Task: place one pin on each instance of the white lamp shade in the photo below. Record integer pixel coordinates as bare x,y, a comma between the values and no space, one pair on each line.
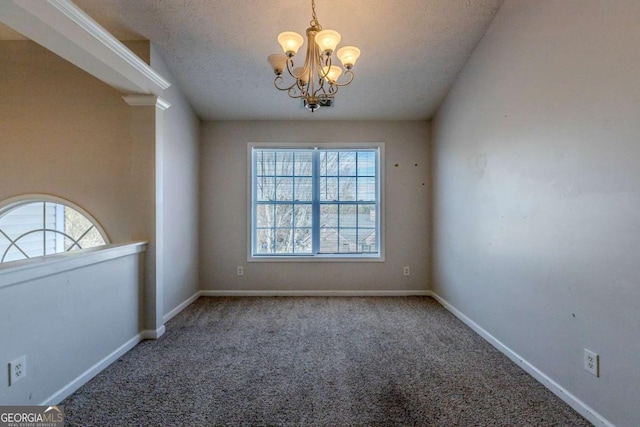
348,55
332,74
327,40
299,74
290,42
278,62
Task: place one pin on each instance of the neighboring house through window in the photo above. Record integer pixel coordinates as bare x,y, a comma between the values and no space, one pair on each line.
319,201
38,225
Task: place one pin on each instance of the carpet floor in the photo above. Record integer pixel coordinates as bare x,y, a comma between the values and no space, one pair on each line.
316,361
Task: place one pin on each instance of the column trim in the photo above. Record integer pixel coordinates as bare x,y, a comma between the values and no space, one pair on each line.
147,101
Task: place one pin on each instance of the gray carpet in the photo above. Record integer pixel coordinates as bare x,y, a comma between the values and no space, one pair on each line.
316,361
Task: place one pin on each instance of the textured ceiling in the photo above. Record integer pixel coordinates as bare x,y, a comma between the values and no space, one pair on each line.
412,51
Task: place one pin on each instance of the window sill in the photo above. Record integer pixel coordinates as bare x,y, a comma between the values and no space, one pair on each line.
317,258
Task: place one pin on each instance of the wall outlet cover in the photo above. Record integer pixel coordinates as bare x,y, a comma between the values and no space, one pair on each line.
592,362
17,370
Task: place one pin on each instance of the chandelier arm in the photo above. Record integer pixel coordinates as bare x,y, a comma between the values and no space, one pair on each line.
293,94
303,88
321,90
330,91
289,70
328,95
311,60
280,79
322,65
348,73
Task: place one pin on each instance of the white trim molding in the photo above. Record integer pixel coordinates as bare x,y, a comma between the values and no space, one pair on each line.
324,293
184,304
16,272
577,404
84,21
63,28
153,334
147,101
87,375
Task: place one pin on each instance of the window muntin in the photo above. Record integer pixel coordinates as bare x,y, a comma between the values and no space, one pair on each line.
315,202
32,228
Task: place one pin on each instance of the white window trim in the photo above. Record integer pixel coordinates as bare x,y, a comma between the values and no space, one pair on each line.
13,202
318,258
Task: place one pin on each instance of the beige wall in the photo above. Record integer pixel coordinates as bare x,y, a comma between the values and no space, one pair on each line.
224,208
65,133
537,154
68,134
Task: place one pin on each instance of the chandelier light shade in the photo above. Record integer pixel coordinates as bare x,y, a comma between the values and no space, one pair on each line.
290,42
332,73
317,81
278,62
348,55
328,40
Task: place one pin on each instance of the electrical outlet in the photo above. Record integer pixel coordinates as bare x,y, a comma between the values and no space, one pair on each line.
240,271
406,270
17,370
591,362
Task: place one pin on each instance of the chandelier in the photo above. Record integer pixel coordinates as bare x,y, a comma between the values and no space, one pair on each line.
318,80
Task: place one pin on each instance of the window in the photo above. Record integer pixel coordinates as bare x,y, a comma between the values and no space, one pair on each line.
32,226
316,202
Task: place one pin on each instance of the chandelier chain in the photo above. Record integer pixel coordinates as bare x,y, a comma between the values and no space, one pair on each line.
314,21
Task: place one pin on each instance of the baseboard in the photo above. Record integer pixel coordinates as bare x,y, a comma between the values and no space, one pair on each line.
151,334
256,293
577,404
74,385
170,315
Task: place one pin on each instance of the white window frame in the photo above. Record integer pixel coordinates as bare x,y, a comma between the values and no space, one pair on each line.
346,257
8,205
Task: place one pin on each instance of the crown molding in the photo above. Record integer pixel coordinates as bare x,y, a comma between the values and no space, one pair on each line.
147,101
74,13
63,28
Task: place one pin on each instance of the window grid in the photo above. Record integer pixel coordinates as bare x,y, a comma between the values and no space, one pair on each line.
356,203
34,228
277,228
351,167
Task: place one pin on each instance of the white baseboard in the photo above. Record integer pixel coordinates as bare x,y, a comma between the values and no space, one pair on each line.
74,385
151,334
170,315
256,293
577,404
